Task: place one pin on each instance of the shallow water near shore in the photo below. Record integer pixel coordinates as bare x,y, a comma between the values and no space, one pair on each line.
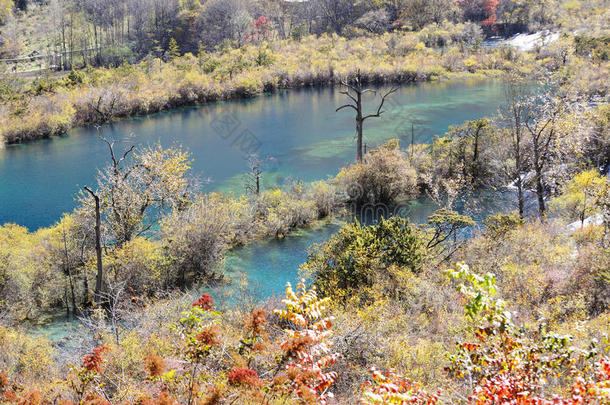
260,270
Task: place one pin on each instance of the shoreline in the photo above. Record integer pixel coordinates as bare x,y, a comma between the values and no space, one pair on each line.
238,95
95,96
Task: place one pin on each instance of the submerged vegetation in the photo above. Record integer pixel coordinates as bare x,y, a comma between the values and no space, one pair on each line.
509,307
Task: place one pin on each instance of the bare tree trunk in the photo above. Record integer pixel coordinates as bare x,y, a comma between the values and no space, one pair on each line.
540,192
356,104
64,60
540,126
70,277
514,92
86,301
518,167
67,304
71,43
98,247
359,130
475,153
98,57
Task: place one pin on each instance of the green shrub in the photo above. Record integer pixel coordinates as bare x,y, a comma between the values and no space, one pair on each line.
499,224
359,256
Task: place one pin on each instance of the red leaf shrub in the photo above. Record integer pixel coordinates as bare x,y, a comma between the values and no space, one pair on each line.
205,302
94,361
244,377
393,388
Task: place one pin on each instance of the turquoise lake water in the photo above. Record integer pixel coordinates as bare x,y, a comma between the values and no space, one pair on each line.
298,129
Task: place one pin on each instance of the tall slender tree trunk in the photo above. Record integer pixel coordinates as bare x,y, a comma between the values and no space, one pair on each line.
86,301
518,167
540,193
67,304
98,247
359,124
360,154
70,277
475,153
97,52
63,47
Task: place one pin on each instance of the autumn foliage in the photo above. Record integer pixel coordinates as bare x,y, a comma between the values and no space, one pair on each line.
205,302
93,361
392,388
513,365
243,376
306,344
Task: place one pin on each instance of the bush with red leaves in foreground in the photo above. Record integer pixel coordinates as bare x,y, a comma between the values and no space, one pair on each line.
210,363
507,364
93,362
244,377
205,302
392,388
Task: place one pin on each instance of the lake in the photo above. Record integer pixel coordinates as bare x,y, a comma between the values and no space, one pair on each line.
298,129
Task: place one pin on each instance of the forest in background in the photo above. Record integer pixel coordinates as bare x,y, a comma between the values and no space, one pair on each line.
117,30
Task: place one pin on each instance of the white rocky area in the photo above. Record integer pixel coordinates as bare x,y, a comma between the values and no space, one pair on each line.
527,42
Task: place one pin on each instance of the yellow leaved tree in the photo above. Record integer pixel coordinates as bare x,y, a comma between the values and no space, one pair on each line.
306,344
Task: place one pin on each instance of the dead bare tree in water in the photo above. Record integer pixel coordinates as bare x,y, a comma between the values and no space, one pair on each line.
354,92
254,176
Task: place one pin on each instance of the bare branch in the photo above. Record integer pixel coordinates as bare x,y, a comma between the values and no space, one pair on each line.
90,191
127,152
349,95
111,147
379,109
346,106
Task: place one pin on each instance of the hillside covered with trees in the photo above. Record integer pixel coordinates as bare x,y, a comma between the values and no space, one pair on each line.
473,305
